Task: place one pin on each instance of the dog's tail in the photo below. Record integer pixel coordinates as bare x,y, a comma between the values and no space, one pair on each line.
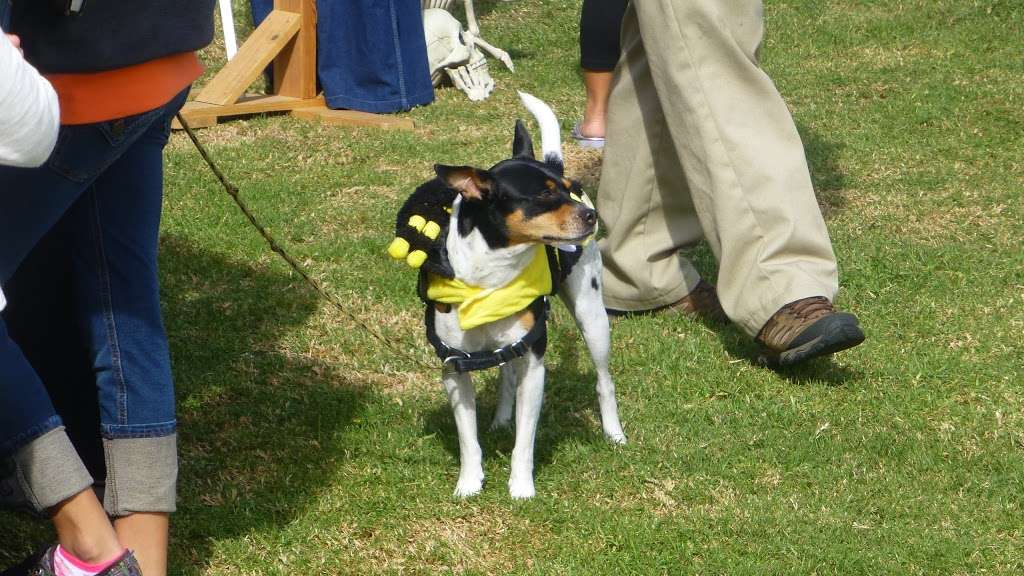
550,135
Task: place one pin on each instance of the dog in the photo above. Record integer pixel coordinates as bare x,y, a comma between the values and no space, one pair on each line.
501,220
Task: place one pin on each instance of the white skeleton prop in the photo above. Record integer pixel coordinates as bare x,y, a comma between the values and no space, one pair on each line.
456,50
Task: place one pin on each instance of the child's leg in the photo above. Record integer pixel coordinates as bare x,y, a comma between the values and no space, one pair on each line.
116,231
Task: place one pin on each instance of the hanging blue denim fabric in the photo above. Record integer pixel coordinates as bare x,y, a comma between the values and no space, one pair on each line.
260,9
5,14
371,54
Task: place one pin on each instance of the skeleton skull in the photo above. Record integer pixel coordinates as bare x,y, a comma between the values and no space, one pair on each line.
459,52
445,48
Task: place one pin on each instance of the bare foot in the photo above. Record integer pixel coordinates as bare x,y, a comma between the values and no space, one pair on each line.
592,126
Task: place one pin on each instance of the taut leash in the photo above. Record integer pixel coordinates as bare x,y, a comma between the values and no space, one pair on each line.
232,191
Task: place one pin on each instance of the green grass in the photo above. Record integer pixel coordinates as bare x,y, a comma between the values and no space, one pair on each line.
307,448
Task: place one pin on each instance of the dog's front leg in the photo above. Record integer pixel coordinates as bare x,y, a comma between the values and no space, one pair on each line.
582,293
462,397
593,323
529,398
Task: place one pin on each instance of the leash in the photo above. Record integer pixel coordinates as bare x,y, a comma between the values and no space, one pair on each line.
232,191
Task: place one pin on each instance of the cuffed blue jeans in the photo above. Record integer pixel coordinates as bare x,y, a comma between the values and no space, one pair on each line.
108,180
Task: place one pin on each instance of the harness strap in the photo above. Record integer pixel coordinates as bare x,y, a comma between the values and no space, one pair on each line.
461,361
560,263
555,267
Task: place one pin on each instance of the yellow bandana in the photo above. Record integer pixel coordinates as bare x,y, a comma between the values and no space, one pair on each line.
478,306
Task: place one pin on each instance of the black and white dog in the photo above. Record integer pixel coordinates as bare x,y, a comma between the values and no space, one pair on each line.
499,218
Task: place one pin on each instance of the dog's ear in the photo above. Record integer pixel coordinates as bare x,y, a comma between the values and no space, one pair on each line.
522,145
473,184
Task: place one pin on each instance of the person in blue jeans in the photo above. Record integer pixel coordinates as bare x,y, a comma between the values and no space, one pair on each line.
120,80
107,179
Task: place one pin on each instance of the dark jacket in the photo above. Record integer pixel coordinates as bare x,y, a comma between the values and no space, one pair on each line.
109,34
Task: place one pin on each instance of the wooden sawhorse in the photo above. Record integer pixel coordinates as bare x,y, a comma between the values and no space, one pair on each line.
287,37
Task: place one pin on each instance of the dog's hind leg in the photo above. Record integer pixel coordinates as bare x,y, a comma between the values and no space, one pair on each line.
462,397
529,398
506,397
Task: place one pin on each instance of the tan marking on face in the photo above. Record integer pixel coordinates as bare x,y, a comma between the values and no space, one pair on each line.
527,320
558,223
567,183
551,185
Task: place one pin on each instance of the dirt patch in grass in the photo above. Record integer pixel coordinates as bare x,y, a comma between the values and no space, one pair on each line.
583,165
233,132
941,221
402,368
475,543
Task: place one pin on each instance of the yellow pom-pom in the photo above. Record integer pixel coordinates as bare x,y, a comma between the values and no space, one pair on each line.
417,222
431,230
416,258
399,248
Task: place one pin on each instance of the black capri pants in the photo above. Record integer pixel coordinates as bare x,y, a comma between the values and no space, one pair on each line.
600,24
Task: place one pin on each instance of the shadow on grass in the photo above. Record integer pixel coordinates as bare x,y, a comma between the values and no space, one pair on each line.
256,422
569,413
820,371
826,175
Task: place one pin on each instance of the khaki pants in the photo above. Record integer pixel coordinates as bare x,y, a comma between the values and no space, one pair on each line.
700,144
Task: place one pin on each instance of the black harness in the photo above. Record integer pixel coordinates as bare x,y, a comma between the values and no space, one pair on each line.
560,263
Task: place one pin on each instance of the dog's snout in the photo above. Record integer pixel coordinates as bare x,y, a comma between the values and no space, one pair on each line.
589,216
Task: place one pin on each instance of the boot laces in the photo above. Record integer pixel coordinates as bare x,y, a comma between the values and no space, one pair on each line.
809,308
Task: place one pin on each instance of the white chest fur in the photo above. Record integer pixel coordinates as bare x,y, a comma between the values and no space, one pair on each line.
476,263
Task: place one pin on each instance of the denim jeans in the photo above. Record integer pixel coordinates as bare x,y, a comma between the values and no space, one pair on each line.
107,178
371,54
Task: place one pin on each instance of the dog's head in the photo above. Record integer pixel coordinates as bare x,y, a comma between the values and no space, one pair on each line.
521,200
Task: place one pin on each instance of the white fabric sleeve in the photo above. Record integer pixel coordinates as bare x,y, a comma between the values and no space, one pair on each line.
29,115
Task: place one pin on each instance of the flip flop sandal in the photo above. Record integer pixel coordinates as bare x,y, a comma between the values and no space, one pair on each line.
586,141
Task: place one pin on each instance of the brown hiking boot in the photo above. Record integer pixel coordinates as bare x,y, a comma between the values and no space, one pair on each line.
806,329
701,302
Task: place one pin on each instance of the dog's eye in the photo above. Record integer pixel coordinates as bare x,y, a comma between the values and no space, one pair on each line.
548,194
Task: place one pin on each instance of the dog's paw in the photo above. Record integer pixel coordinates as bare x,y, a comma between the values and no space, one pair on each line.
616,438
468,486
613,432
521,489
501,423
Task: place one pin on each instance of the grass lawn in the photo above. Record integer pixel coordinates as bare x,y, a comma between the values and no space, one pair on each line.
307,448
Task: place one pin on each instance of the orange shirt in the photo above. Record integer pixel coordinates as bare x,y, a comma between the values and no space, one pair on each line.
101,96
